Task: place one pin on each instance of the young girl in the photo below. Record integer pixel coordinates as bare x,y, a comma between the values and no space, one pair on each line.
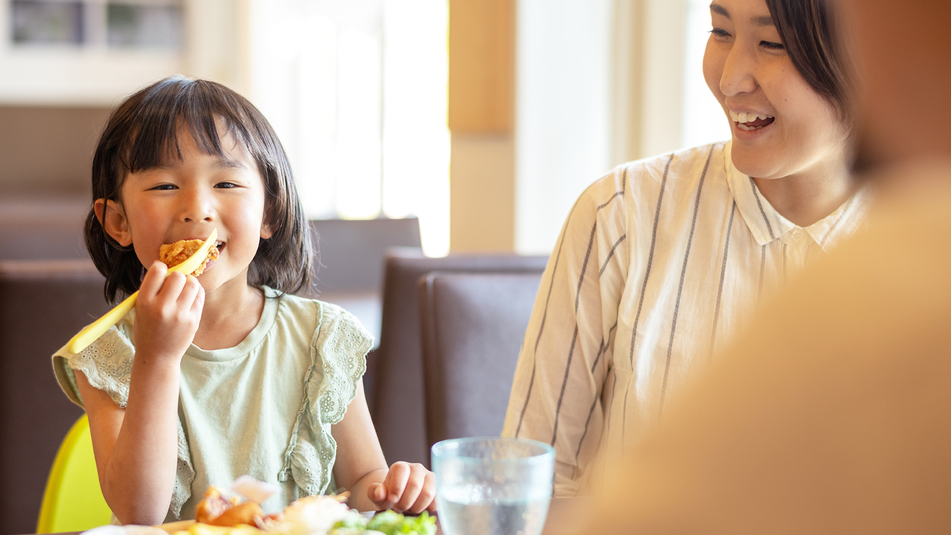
227,374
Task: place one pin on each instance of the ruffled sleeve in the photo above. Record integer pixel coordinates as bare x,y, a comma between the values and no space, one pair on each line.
106,363
338,351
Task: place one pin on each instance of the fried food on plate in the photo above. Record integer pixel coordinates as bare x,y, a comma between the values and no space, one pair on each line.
219,513
173,254
216,509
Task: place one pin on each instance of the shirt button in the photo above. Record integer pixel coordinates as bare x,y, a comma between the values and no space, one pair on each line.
797,235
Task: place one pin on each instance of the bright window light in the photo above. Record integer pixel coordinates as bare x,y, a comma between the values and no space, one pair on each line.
357,91
703,119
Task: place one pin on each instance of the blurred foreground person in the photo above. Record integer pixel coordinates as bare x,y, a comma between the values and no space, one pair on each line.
833,413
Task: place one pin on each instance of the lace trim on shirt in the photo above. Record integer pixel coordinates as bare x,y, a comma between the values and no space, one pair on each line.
184,475
338,350
107,365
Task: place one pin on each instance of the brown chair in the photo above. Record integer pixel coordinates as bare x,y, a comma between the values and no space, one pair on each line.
351,252
472,325
398,406
348,270
42,304
42,228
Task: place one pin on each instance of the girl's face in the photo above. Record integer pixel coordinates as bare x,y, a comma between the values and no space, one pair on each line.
781,127
186,199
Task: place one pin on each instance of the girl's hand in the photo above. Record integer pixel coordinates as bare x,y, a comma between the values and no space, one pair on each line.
168,311
407,488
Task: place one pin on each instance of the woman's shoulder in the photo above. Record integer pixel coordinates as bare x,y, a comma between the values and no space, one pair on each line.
647,177
678,165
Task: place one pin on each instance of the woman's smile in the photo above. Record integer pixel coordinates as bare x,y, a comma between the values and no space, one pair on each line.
751,121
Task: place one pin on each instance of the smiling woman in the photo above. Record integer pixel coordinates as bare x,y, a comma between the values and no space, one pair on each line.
662,260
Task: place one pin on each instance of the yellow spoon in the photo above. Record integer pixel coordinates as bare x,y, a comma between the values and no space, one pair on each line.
95,329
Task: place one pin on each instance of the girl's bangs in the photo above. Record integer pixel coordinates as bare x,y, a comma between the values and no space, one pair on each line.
164,118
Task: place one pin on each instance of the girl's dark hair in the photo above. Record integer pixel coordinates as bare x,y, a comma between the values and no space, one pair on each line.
144,130
808,32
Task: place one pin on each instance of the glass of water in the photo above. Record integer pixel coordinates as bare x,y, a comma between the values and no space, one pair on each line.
493,485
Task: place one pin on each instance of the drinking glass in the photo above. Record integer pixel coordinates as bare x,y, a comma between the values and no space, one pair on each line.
498,486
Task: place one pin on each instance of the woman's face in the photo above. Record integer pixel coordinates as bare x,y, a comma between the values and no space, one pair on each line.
781,127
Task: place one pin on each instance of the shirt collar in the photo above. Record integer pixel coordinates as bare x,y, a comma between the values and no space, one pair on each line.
763,220
843,222
766,224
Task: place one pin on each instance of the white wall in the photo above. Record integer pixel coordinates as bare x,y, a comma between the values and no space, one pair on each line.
703,120
599,83
563,111
662,77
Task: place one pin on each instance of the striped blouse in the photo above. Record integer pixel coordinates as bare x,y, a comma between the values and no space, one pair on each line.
657,264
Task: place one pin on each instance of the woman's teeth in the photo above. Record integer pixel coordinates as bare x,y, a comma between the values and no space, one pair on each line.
750,121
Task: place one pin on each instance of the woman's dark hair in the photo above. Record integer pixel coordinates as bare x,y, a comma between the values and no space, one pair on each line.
808,32
144,130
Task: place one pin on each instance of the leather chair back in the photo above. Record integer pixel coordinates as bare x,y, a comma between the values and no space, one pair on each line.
42,304
398,406
40,228
351,253
473,326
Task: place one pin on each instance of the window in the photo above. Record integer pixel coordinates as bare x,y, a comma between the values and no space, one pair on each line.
96,23
91,52
356,90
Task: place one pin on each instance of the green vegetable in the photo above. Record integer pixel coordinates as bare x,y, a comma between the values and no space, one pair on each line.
392,523
351,523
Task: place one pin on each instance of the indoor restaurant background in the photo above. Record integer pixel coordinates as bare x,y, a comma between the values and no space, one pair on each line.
484,118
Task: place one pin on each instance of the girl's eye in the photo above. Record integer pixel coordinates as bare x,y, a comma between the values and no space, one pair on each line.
768,45
719,33
164,187
226,185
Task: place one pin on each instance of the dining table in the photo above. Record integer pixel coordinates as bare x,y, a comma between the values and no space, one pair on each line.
566,516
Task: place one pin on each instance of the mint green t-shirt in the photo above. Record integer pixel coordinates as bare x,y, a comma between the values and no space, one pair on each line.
262,408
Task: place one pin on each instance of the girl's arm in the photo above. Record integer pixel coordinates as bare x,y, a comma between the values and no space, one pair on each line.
136,448
361,468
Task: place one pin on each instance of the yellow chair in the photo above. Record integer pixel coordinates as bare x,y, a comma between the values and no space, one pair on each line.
73,500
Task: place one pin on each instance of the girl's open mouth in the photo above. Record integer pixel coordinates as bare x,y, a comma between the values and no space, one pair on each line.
219,246
749,121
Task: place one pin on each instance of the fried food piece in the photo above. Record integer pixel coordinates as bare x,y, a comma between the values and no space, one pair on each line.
216,509
212,505
173,254
249,513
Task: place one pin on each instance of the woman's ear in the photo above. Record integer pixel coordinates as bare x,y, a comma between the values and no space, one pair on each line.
113,220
